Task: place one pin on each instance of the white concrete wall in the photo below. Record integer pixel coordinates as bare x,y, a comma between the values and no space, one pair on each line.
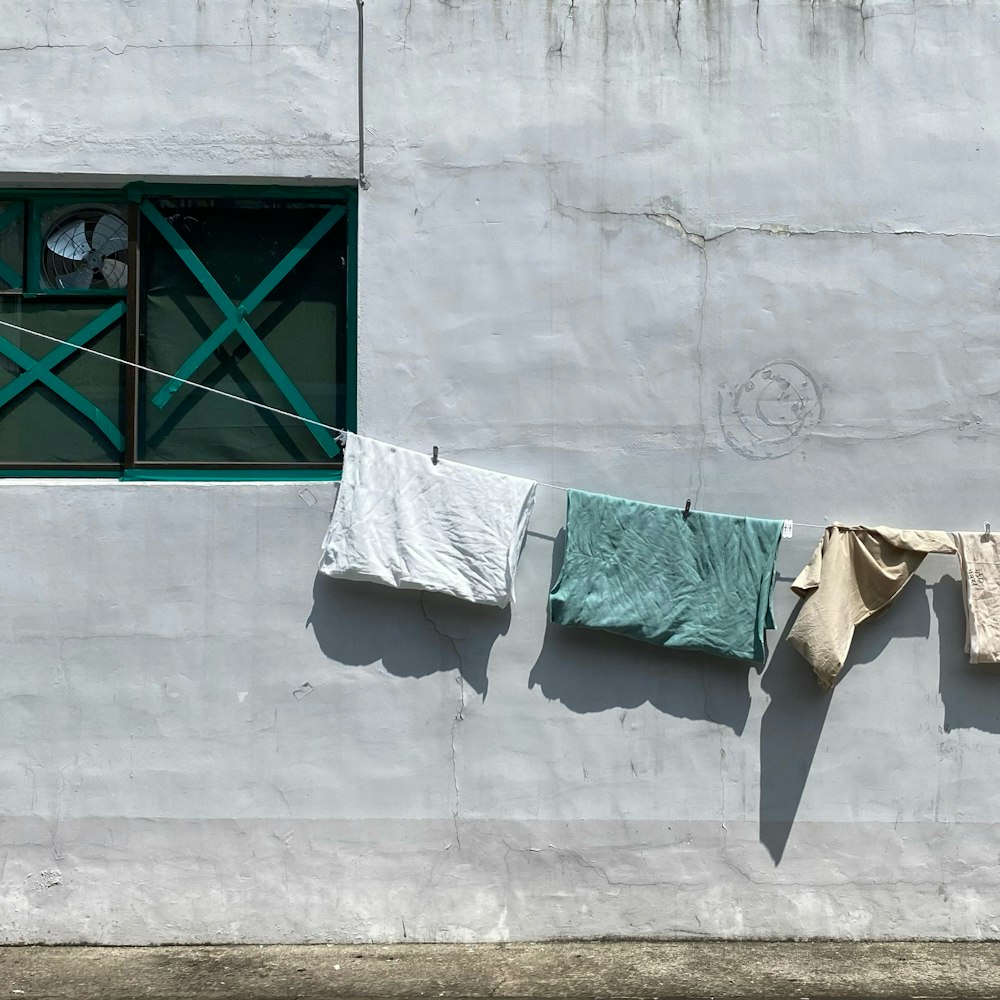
589,223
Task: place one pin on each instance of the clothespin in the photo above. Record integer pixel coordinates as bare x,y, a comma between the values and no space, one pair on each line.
986,531
434,455
687,508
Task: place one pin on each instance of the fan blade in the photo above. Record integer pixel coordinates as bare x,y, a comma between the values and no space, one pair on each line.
70,241
110,234
76,279
115,272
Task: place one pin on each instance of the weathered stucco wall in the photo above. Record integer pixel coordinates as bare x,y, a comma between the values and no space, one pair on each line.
591,225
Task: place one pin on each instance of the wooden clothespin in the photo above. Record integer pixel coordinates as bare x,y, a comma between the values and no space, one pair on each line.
986,531
687,508
434,455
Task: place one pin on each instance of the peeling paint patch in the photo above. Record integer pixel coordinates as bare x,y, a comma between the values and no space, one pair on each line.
40,881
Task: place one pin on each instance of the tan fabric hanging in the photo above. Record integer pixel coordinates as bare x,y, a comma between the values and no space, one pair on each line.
854,574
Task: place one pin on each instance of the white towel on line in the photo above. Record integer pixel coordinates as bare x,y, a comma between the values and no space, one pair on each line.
401,520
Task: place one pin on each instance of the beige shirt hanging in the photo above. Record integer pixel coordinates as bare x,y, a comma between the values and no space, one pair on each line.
854,574
979,556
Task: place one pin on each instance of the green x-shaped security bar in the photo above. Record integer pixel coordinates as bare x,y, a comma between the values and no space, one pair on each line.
236,316
40,370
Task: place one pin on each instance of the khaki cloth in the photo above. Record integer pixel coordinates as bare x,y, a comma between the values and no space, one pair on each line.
979,556
855,573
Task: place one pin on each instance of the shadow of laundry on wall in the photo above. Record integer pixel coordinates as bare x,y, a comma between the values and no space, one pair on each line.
590,670
413,633
970,691
793,720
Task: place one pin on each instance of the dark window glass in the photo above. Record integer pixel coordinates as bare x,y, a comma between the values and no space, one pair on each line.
75,414
11,245
300,323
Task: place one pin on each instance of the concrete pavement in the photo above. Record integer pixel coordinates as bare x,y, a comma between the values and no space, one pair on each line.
724,970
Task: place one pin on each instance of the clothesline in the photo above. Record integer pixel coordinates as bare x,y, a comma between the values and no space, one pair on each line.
477,563
172,378
632,568
198,385
244,399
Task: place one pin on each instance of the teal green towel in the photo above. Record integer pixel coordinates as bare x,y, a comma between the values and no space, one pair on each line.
648,572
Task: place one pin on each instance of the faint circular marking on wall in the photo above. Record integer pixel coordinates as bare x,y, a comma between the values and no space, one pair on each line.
769,414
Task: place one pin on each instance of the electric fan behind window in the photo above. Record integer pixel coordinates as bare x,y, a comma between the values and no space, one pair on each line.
87,247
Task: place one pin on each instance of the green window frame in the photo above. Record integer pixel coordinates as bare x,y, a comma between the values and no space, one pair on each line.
248,289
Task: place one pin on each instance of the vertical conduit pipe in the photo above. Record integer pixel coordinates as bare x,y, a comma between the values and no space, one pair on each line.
362,178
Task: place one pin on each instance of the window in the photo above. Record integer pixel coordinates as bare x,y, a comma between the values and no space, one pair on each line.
249,291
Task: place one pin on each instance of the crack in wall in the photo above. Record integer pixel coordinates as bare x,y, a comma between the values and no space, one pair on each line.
141,45
664,218
700,363
583,862
841,432
406,23
722,794
722,760
557,50
750,876
672,221
580,861
700,242
458,718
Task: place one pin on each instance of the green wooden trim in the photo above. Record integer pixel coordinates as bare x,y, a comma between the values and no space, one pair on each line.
77,293
60,472
140,190
58,196
204,351
268,362
351,374
133,323
75,399
33,259
139,475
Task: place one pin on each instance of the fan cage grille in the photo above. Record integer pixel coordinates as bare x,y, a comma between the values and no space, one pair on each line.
84,247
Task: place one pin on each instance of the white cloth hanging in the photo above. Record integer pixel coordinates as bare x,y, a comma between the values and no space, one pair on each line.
402,520
979,556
